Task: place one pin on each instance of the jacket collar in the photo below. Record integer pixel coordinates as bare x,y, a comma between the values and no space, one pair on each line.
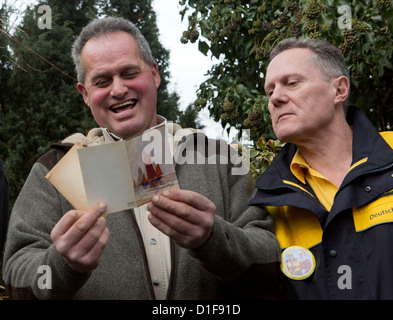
370,150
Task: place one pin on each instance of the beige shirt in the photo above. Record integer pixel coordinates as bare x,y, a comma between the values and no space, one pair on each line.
157,246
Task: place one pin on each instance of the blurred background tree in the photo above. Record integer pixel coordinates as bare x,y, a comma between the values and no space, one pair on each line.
43,105
242,33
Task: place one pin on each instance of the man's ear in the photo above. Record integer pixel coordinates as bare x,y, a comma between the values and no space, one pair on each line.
341,89
156,75
82,90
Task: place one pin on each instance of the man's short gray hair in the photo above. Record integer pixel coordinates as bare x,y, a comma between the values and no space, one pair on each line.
328,58
106,26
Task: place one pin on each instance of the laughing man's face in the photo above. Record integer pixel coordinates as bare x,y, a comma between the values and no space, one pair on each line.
120,88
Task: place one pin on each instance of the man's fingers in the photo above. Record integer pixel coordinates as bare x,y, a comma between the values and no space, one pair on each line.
187,205
192,198
84,258
165,221
65,223
183,239
74,225
161,206
98,248
183,215
89,239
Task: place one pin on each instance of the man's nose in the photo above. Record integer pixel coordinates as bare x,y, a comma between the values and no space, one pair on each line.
119,89
278,96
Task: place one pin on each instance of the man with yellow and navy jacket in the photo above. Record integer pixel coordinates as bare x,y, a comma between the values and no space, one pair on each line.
340,213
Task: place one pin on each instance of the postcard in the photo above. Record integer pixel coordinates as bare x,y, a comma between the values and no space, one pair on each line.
123,174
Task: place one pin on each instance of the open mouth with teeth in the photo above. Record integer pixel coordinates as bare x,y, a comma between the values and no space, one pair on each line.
128,105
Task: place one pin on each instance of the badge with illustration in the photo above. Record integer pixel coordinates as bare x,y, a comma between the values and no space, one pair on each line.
297,263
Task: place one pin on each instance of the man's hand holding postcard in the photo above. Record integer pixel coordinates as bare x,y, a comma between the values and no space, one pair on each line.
124,174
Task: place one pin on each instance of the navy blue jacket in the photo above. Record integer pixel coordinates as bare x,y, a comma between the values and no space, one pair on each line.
3,206
353,243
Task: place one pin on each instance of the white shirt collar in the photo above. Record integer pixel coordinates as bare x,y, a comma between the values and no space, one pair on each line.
112,137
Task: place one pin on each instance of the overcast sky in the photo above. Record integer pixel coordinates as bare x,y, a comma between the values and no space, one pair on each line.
188,65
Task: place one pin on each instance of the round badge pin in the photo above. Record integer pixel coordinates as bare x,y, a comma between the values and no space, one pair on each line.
297,263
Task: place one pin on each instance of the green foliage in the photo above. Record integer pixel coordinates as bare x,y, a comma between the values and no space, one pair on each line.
43,105
5,63
242,33
261,155
189,118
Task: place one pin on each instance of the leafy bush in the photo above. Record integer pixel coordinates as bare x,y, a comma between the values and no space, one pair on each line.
241,35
